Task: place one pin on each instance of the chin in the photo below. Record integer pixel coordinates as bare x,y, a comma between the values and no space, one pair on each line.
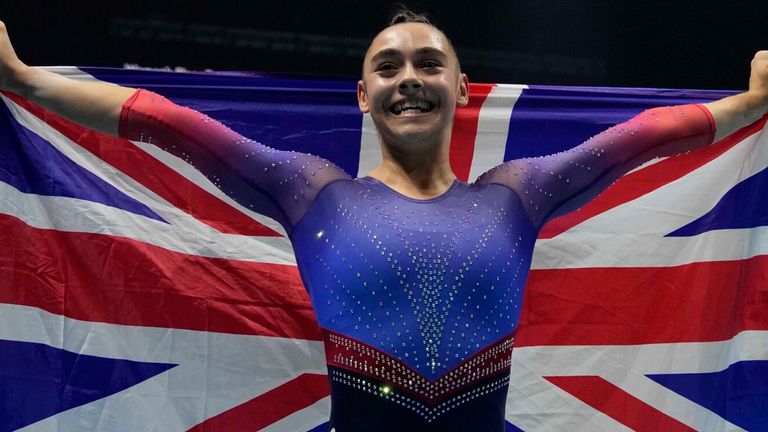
414,140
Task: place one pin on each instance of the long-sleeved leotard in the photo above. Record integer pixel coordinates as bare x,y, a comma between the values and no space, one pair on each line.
418,299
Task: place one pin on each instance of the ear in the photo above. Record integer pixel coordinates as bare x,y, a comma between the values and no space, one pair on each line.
463,93
362,97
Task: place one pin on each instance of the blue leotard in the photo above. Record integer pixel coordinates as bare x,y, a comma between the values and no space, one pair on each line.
418,300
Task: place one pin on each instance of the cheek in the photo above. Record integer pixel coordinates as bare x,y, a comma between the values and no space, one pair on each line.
448,87
377,93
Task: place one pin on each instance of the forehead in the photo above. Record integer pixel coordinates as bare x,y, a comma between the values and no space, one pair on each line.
408,37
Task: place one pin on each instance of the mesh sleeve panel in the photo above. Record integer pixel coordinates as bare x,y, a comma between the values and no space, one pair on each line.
279,184
553,185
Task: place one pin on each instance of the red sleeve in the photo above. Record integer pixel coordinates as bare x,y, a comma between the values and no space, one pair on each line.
553,185
278,184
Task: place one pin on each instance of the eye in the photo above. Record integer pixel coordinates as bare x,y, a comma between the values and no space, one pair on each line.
430,64
386,67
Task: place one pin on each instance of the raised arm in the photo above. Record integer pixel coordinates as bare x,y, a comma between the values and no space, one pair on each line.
553,185
734,112
275,183
93,105
278,184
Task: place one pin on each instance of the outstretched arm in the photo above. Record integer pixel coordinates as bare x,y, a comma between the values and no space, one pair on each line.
278,184
734,112
554,185
93,105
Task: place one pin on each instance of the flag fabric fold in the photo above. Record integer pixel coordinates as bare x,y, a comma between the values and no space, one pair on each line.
134,295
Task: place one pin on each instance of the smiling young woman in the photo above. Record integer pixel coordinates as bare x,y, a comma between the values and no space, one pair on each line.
411,86
416,278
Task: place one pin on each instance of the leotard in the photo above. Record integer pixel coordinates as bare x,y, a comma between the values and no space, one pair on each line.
418,300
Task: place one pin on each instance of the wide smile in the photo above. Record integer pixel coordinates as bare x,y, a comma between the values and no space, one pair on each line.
411,107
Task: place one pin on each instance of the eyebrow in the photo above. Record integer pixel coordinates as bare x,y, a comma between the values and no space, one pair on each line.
392,52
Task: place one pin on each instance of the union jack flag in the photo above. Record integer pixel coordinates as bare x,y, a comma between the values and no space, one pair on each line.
134,295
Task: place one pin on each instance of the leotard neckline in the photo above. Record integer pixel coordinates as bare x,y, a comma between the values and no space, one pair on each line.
436,198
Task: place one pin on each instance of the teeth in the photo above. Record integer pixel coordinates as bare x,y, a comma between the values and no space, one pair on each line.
422,106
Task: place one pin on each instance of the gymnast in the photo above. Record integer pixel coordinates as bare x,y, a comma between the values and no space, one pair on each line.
415,277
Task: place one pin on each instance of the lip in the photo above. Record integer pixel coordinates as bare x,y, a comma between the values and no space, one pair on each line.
412,113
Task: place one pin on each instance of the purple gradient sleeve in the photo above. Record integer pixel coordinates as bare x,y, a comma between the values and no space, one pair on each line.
279,184
553,185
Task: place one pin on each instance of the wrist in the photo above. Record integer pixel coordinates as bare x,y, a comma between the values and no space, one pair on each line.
757,100
19,79
750,105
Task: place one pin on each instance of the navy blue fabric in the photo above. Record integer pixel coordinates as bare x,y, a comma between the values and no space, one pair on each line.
32,165
325,427
317,116
740,207
551,119
429,282
356,409
39,381
738,394
512,428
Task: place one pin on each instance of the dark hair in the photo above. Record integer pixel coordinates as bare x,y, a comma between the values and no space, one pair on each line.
401,14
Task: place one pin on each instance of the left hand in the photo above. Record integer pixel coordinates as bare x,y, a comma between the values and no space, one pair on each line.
734,112
758,78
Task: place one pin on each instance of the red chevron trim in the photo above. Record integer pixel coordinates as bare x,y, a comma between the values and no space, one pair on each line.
355,356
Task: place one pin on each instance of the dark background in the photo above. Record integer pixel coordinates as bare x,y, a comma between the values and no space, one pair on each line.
692,44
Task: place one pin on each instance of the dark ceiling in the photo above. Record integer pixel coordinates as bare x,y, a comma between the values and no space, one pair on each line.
692,44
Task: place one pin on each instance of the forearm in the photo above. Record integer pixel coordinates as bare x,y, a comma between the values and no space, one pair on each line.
553,185
92,104
279,184
734,112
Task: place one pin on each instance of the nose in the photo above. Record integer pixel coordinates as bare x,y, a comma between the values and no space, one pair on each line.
410,80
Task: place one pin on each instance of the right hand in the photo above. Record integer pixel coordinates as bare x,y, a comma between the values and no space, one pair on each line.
758,79
10,65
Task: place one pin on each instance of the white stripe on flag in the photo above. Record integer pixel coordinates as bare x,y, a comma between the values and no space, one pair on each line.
638,228
625,366
71,72
303,419
183,233
176,164
215,371
370,151
493,127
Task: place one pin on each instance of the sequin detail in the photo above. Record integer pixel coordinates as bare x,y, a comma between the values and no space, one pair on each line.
428,412
430,291
346,353
419,298
279,184
558,183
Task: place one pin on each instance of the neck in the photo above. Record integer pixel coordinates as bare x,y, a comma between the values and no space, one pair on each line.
417,175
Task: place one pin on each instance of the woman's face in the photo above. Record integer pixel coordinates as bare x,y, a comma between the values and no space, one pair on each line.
411,86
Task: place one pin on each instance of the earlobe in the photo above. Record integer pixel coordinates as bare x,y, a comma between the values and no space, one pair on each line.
463,93
362,97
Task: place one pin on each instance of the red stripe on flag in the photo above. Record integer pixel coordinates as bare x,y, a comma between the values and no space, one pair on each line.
641,182
269,407
103,278
618,404
154,175
465,130
700,302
